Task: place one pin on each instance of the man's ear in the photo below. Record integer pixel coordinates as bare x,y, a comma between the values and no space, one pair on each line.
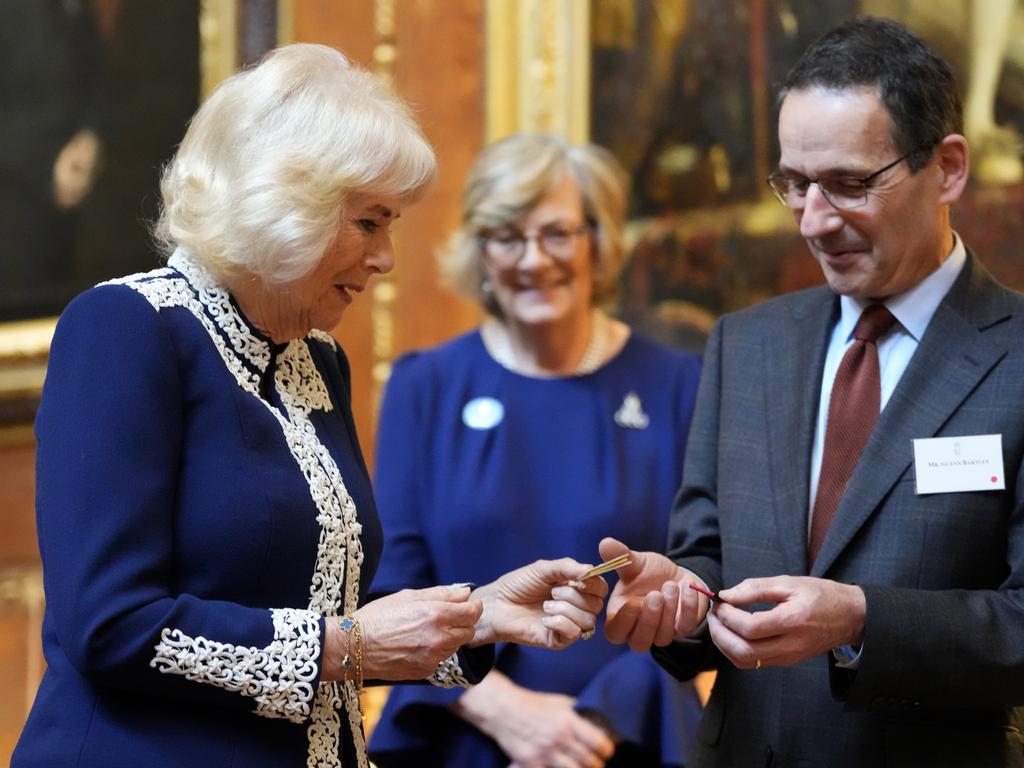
955,167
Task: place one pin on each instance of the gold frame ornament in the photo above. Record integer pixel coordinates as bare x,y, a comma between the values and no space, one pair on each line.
538,67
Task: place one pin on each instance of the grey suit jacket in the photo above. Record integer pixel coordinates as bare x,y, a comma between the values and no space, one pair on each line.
941,676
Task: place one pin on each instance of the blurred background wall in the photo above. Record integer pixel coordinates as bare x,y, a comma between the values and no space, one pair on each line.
681,90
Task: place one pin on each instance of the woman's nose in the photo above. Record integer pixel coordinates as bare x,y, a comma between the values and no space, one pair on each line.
382,256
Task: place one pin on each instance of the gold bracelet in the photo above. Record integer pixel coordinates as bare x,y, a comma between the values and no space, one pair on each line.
357,630
352,660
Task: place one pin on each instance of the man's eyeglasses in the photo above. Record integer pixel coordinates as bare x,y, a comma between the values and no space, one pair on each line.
841,192
506,246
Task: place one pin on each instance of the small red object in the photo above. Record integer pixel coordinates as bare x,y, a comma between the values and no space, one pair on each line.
704,591
995,479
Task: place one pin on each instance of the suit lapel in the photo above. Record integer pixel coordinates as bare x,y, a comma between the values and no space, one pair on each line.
793,363
955,343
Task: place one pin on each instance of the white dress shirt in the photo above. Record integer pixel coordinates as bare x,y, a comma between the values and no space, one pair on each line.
913,311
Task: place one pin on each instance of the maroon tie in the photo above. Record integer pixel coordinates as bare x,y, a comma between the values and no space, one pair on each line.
852,412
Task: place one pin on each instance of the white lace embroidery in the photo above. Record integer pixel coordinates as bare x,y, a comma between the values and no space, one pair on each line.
449,674
279,677
339,550
297,376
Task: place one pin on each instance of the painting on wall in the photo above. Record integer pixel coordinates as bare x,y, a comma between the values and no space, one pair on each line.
94,97
96,94
684,95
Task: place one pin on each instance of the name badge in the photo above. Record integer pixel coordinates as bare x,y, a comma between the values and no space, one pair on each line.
952,464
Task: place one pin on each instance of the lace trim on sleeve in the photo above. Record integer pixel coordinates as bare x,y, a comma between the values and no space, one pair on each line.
449,674
279,677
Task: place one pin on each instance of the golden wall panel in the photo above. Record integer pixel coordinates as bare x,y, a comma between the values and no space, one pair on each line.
433,52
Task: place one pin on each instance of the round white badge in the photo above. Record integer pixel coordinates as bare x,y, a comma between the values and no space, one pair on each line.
483,413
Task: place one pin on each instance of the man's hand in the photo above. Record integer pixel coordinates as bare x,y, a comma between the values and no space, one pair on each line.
652,604
534,729
810,617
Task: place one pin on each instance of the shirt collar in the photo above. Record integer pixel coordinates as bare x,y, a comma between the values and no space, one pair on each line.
912,309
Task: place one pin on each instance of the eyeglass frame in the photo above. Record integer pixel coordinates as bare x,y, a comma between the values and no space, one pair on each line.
863,181
524,239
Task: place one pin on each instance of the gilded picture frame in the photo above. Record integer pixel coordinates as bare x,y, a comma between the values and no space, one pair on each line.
683,94
25,342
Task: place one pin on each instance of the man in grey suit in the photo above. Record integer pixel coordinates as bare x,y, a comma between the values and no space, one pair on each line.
872,615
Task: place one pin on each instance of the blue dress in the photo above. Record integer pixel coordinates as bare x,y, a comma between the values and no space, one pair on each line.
482,470
202,506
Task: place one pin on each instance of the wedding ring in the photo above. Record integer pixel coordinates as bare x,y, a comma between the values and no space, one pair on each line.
757,666
587,634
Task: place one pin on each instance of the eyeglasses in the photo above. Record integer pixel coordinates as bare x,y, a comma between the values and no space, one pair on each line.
841,192
507,246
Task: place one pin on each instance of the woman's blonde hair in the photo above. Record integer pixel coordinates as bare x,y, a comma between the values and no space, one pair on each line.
510,177
260,180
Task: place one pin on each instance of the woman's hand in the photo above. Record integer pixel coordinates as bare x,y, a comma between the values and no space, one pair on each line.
407,634
540,604
534,729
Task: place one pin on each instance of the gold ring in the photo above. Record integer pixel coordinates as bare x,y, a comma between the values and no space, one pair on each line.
757,666
586,634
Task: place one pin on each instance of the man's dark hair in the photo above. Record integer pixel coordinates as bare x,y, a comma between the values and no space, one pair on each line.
916,85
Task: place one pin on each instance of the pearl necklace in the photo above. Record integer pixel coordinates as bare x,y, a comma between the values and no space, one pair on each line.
593,355
500,347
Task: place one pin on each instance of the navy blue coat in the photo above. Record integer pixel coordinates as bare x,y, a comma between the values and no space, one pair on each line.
195,530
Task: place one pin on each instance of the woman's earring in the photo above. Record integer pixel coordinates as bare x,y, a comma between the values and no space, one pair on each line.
485,287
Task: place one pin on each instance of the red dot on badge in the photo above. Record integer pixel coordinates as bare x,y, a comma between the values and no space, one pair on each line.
995,479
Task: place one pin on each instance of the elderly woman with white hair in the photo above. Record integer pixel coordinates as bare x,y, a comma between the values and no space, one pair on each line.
206,521
544,430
